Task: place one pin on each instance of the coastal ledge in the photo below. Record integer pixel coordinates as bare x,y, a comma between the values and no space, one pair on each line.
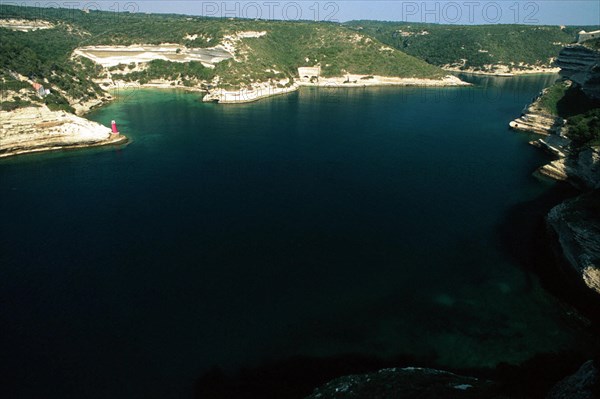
504,70
535,118
252,94
37,129
573,224
263,90
354,80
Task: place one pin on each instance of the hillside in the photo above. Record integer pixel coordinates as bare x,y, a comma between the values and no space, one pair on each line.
475,48
43,56
267,52
286,45
78,55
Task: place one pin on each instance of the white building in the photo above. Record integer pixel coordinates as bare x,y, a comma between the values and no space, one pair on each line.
308,74
584,36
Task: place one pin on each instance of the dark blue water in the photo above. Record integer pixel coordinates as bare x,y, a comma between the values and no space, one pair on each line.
317,223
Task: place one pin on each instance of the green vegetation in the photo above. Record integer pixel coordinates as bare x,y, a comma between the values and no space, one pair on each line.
584,129
593,44
159,69
56,102
511,45
23,94
575,102
12,105
360,47
552,96
9,83
582,114
45,56
124,28
336,48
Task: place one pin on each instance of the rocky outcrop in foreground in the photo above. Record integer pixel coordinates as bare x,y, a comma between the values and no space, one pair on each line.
409,382
584,384
35,129
582,168
423,383
576,223
536,119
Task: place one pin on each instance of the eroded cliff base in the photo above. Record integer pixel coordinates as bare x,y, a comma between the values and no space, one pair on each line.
576,223
36,129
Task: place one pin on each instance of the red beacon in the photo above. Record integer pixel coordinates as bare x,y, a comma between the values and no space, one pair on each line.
114,127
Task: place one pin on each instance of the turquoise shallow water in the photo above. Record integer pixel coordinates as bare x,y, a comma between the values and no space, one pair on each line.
317,223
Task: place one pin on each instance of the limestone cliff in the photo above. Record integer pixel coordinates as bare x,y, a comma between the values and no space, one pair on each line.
576,223
536,119
35,129
581,168
581,64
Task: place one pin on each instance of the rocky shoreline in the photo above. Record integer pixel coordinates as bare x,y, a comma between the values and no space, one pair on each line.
262,90
575,222
504,71
255,93
37,129
535,119
575,226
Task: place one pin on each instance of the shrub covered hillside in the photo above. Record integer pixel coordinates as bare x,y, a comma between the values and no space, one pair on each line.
369,48
575,98
476,47
288,45
582,113
45,56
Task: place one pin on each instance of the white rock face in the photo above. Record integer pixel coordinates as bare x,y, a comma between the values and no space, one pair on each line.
355,80
231,43
582,169
537,120
109,56
260,90
581,65
250,94
25,25
39,129
250,34
577,225
576,222
500,69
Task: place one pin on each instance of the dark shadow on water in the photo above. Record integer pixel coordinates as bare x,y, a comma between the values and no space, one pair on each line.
525,237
